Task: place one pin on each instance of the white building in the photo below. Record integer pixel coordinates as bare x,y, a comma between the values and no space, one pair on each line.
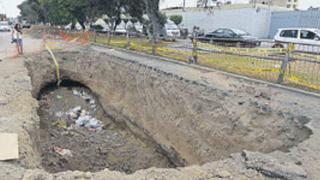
253,19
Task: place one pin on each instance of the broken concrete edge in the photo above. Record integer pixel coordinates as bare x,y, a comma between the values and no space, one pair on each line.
271,167
233,75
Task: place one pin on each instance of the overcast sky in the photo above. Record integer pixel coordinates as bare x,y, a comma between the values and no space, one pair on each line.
10,6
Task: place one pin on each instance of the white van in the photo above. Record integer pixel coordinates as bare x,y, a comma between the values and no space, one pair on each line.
301,36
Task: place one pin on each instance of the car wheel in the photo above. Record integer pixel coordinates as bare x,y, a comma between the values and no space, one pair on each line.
278,46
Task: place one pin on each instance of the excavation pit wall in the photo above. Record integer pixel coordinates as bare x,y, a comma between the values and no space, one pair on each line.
188,121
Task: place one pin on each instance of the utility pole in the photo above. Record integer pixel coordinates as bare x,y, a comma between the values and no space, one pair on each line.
184,5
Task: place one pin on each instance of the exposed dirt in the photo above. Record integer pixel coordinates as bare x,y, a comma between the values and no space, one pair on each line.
193,123
172,106
67,145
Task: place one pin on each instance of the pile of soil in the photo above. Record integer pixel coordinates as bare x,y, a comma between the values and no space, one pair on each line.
67,145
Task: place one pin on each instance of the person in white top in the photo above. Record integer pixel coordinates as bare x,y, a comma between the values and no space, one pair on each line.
17,38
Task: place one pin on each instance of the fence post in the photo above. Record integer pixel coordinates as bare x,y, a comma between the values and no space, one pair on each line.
95,36
285,63
194,58
128,40
109,37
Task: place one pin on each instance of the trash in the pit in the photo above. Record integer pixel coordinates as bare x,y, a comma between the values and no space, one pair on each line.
82,118
75,92
59,97
89,99
89,122
63,152
60,124
76,109
59,114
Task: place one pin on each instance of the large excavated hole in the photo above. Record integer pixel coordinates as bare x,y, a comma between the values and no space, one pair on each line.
149,118
76,134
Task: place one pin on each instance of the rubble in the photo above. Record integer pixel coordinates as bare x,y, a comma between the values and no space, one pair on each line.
273,168
63,152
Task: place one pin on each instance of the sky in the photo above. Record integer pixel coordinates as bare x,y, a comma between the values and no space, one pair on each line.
9,7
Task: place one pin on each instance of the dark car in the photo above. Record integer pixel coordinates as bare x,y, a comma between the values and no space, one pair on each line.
230,37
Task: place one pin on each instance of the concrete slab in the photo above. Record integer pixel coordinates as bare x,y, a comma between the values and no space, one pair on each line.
9,146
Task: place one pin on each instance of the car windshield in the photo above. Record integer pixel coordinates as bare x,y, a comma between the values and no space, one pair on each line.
240,32
171,27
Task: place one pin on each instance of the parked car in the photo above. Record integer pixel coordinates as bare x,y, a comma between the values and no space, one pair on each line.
26,25
230,37
4,26
302,36
172,30
99,28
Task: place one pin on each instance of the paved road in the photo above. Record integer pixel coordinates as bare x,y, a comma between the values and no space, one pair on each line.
8,50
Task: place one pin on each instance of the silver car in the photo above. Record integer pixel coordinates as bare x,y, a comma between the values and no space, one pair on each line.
4,26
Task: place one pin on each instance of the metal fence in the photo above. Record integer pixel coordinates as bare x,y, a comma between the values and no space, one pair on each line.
297,65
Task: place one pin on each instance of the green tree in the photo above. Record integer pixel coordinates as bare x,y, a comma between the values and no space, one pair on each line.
177,19
31,11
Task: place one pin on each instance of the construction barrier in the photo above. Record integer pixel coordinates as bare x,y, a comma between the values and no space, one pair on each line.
302,69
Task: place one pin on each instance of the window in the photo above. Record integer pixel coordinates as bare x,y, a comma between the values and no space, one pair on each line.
219,31
289,33
288,6
307,35
209,36
228,33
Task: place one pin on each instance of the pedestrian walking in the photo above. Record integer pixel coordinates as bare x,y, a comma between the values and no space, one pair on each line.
17,38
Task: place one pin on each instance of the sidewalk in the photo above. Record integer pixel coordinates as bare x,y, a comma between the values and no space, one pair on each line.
8,50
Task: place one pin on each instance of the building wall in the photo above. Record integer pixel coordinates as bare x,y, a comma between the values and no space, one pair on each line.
306,19
291,4
256,21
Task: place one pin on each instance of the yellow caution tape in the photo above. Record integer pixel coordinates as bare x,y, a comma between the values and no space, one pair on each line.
302,82
55,63
75,39
291,47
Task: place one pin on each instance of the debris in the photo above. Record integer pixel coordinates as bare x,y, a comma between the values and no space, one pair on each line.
59,97
60,124
89,122
9,146
223,174
77,109
59,114
272,167
75,92
63,152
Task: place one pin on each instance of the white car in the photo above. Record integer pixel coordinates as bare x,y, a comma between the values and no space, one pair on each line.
4,26
298,36
172,30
